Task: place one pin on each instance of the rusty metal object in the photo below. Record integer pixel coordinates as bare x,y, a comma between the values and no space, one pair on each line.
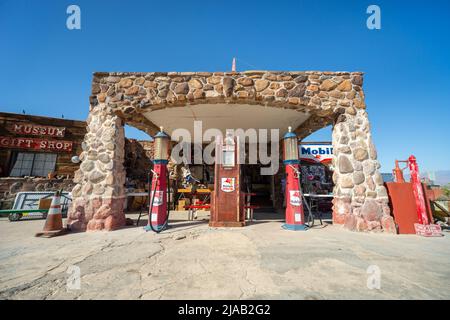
398,172
410,203
403,206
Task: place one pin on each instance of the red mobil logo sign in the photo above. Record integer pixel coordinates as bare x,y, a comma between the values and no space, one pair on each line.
158,198
227,184
294,198
322,153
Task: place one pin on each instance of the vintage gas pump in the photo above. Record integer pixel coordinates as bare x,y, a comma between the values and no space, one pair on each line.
294,207
158,208
227,199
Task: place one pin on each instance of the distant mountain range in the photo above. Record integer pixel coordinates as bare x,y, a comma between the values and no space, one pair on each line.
441,177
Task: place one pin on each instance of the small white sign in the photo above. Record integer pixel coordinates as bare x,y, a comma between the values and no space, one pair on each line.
227,185
297,217
154,217
158,198
294,198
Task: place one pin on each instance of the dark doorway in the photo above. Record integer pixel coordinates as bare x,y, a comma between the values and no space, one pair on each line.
259,185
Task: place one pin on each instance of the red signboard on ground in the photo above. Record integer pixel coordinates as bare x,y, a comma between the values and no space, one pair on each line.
36,144
428,230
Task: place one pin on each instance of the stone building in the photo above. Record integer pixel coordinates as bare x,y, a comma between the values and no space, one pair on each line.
36,152
36,155
307,101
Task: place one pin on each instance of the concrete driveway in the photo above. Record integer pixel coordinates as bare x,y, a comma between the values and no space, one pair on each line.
193,261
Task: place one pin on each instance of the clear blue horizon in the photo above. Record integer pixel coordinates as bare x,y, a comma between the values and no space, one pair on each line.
47,69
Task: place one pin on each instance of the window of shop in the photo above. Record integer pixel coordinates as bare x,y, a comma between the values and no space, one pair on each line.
33,164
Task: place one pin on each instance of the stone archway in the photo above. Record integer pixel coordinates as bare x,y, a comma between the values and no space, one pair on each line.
360,199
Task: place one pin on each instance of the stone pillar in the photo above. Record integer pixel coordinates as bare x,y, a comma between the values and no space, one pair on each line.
99,194
360,198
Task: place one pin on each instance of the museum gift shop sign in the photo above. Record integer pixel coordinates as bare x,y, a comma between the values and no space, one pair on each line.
37,130
36,144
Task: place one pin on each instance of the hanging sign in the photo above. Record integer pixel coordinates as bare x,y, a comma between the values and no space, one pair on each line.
157,198
227,184
36,144
294,198
320,153
37,130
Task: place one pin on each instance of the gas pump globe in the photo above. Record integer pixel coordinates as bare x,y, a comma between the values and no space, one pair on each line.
294,206
161,147
228,151
158,211
290,147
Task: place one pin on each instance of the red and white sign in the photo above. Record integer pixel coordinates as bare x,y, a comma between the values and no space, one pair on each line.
158,198
294,198
227,185
322,153
428,230
36,144
37,130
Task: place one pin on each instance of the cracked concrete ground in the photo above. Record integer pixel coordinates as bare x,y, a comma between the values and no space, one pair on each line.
193,261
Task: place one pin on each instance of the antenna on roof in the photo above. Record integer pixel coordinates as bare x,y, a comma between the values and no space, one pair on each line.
23,111
233,65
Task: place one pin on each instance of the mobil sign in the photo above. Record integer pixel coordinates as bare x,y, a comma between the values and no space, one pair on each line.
313,152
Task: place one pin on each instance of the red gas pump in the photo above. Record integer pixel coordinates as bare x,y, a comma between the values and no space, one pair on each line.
158,208
227,202
295,218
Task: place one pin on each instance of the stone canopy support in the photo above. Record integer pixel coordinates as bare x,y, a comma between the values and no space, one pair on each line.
99,196
318,98
360,199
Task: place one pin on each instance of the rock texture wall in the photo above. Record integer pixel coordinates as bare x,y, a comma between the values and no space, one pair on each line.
329,97
99,195
138,155
360,198
9,187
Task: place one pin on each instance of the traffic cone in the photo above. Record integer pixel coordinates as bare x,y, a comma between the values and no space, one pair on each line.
53,223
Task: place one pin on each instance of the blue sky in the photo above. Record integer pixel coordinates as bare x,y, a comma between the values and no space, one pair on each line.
46,69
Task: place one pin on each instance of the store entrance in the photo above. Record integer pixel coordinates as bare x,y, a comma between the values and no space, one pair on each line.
261,186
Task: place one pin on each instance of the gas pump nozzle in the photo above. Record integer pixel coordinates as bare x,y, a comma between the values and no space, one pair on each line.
297,172
155,174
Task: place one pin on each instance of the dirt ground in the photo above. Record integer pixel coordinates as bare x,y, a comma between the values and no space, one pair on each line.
193,261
